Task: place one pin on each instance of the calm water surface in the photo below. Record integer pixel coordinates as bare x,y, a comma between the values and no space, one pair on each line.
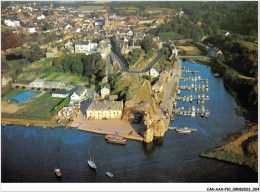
31,154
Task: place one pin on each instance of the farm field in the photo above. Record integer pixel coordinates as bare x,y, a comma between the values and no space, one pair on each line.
44,70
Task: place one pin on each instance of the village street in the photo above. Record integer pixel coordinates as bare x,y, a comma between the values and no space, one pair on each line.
167,103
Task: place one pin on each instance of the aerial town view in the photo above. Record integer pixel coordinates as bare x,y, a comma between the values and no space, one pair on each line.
129,92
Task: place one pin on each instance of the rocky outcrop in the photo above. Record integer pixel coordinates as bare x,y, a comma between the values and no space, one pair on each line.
153,125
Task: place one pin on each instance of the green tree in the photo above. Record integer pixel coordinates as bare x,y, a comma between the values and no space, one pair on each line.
148,44
35,53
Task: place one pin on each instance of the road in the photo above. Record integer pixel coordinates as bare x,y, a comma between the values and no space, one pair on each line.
167,103
125,67
109,66
89,98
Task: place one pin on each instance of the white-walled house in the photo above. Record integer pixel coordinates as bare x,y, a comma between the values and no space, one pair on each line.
41,17
154,73
31,29
78,95
62,93
85,46
105,90
12,23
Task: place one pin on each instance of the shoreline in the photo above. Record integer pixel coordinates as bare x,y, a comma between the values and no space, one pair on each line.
239,151
38,123
86,127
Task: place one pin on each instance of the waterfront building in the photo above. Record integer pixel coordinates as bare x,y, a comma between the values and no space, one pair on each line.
105,109
78,95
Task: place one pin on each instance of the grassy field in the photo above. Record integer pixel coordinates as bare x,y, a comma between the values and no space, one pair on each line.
190,51
38,107
162,63
143,93
116,68
144,63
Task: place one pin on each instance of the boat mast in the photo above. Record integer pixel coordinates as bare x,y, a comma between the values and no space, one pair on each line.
89,153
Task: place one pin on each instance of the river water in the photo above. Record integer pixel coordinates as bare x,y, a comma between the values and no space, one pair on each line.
30,154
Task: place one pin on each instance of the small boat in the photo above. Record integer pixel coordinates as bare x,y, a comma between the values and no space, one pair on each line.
172,117
193,114
116,139
91,162
172,128
108,173
43,127
58,173
4,124
130,133
184,130
27,125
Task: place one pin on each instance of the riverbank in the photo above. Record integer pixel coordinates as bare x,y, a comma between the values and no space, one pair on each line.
242,151
38,123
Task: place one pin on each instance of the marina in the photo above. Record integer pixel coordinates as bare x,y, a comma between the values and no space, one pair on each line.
193,93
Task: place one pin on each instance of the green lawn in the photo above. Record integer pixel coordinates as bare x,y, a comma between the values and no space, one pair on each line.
39,107
194,52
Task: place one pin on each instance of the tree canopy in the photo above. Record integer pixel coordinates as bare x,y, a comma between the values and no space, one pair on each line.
91,67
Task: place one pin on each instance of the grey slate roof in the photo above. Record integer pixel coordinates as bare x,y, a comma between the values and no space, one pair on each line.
81,42
79,90
105,105
61,91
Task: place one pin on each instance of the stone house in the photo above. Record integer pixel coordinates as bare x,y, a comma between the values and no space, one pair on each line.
52,52
158,86
105,109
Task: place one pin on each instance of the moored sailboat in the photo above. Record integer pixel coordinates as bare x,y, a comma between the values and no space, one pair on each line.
91,162
108,173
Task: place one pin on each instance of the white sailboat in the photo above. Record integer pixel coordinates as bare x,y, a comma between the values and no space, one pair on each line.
109,174
91,162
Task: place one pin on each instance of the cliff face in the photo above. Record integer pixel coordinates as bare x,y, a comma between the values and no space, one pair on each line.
143,113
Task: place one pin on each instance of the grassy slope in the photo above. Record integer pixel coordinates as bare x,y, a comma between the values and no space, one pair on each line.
135,88
242,151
